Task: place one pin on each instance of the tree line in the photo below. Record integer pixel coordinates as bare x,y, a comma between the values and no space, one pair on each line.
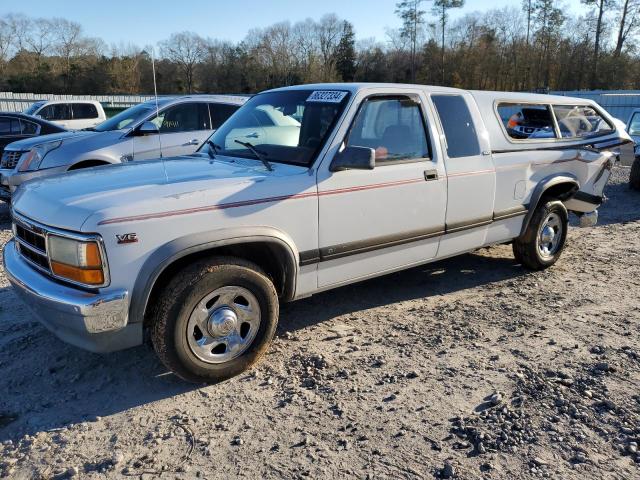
535,46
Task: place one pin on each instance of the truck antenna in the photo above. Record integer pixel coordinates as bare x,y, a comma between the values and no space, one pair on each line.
155,92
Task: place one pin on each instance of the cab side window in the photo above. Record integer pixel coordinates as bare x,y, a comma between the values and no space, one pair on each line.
84,111
56,111
459,129
393,127
9,126
580,121
186,117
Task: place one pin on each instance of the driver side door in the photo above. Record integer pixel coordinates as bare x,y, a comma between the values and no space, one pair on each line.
375,221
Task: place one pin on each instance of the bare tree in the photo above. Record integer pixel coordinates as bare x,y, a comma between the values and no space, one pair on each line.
70,45
19,26
5,42
412,22
629,21
601,6
440,8
328,32
187,50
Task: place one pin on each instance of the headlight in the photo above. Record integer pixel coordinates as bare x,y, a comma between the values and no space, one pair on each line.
79,261
33,158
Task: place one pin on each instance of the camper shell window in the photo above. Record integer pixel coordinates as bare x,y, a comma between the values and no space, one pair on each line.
524,121
531,121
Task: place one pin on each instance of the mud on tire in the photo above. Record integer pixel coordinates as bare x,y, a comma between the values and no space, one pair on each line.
197,309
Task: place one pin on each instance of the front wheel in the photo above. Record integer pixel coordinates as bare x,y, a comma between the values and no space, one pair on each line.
543,241
215,319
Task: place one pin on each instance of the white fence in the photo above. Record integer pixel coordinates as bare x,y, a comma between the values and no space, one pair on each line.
17,102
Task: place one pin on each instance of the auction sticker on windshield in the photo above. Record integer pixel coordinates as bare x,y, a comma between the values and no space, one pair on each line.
327,96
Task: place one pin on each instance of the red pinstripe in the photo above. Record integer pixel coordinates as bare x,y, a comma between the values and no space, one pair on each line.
295,196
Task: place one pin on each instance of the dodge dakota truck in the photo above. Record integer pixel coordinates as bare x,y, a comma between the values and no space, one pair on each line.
302,190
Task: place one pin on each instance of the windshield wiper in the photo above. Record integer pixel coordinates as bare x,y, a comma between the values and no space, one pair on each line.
89,129
212,150
258,155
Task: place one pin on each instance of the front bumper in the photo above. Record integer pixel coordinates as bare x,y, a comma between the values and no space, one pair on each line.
93,321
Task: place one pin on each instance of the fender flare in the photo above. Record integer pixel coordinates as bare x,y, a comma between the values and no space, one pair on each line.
180,247
544,185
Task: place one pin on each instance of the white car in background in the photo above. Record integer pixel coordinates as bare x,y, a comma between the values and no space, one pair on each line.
70,114
172,126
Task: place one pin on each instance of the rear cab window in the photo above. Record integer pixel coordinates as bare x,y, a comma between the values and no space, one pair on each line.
457,123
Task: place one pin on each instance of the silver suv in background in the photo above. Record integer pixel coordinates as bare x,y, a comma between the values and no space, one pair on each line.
174,126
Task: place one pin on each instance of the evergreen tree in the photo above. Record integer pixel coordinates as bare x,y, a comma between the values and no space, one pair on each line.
346,53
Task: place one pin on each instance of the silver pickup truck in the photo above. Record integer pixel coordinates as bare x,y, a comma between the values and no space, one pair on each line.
302,190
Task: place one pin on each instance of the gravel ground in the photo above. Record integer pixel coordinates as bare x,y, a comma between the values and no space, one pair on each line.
467,368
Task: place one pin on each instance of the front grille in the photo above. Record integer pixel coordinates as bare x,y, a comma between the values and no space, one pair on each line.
32,244
10,159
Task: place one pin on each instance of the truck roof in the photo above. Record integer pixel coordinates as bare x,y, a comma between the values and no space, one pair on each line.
479,95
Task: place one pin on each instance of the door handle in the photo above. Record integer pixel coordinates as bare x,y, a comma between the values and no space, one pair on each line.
252,135
430,175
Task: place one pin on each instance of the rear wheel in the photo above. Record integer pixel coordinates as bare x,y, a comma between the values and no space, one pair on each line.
215,319
634,177
543,241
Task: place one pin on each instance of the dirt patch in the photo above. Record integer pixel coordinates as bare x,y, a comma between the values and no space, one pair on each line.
466,368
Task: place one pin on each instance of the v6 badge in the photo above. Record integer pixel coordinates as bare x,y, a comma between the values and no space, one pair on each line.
127,238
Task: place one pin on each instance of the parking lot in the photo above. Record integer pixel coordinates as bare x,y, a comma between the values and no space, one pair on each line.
472,367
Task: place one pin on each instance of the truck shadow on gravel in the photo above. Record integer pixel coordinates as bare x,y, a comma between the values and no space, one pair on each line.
49,384
434,279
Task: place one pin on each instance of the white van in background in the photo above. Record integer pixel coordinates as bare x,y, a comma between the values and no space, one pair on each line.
70,114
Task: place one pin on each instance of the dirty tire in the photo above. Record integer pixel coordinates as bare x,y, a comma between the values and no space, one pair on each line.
634,176
526,249
178,300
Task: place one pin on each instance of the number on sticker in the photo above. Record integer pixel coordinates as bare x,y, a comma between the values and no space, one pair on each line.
327,96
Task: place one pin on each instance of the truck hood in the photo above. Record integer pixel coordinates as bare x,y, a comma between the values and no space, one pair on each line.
80,200
97,139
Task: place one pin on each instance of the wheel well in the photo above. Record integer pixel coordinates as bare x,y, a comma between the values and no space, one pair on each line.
272,257
561,191
88,164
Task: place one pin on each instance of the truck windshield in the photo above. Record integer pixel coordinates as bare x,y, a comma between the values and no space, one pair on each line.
126,117
289,126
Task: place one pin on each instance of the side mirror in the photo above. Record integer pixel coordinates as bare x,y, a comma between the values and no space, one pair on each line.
147,128
354,158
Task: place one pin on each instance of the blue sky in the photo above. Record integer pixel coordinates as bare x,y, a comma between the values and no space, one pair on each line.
145,22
